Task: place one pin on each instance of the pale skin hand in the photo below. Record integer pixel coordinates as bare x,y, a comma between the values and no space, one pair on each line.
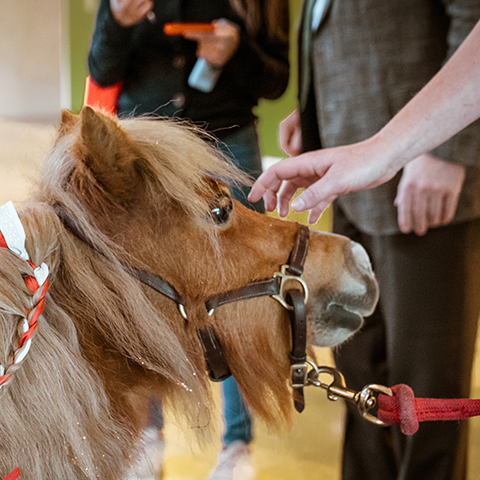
217,48
428,193
290,134
325,174
448,103
130,12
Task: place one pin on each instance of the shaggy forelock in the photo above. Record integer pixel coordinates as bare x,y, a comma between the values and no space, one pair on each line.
182,158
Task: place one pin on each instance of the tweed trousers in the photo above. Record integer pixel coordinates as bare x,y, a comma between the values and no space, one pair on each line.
365,62
422,334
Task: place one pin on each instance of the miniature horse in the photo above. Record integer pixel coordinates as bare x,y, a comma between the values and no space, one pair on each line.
149,195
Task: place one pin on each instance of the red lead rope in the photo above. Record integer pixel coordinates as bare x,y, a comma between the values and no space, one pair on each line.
404,409
14,475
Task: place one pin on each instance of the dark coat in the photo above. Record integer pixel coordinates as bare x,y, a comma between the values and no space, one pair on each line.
155,67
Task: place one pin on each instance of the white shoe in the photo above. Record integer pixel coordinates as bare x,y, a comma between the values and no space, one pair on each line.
235,462
149,464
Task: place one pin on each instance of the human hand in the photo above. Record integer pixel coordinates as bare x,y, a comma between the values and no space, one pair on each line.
218,47
428,193
290,134
130,12
325,174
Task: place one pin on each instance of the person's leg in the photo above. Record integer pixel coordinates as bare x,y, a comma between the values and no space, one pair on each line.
367,450
431,291
430,300
237,419
149,464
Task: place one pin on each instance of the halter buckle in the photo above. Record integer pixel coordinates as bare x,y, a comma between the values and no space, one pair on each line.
297,372
285,277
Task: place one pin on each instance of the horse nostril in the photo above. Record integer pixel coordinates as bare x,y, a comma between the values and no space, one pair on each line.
361,256
338,317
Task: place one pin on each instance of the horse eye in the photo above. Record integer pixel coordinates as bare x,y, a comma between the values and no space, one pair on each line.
221,215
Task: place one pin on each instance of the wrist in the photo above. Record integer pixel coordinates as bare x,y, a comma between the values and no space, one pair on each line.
392,150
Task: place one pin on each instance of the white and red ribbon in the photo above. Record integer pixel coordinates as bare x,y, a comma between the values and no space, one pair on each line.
12,236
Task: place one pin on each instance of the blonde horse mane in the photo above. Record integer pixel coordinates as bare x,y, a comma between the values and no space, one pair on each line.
56,418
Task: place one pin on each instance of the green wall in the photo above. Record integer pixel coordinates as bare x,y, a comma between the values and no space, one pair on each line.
81,15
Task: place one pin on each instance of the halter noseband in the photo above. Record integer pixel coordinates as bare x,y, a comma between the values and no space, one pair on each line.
293,300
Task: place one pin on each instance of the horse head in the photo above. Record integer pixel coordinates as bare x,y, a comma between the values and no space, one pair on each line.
153,197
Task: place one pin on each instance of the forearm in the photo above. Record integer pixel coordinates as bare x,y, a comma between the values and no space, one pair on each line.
447,104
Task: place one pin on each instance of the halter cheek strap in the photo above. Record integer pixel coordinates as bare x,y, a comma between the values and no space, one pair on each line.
293,300
12,237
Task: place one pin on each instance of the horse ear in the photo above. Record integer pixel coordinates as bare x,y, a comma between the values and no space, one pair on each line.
109,155
68,122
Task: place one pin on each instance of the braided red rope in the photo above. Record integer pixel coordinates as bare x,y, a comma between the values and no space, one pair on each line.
33,285
404,409
14,475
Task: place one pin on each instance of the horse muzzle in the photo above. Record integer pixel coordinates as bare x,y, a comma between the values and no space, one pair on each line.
336,312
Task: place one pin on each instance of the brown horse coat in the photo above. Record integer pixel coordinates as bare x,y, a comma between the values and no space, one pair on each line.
143,193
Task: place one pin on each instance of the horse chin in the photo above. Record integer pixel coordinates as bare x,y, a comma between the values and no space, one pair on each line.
335,325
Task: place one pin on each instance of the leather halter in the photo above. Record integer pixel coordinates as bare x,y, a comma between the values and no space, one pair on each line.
293,300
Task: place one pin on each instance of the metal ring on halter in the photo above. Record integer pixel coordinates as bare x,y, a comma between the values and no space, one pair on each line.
366,400
183,312
285,277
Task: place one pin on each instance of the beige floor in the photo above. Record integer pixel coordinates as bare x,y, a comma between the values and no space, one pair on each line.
311,451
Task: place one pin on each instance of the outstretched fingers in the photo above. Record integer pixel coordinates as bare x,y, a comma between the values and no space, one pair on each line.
326,174
297,172
287,192
267,185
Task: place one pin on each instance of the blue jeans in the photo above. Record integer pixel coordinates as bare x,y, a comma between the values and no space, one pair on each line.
243,148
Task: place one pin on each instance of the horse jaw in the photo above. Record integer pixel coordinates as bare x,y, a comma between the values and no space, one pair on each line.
338,312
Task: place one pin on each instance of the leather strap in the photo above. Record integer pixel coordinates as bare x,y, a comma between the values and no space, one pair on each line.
218,369
261,288
158,284
299,252
298,355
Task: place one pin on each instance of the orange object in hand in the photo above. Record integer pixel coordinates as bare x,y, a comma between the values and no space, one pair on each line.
180,28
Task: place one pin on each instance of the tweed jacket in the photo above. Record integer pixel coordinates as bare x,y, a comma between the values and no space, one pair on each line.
368,58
